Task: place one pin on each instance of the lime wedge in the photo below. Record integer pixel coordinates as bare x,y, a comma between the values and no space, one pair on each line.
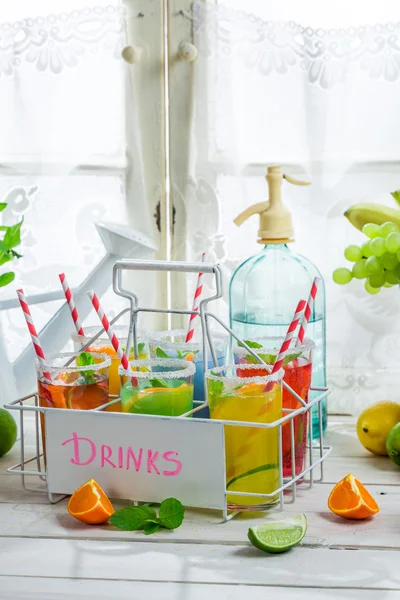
278,536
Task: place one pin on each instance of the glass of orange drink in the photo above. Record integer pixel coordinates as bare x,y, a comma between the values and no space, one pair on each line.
77,382
103,345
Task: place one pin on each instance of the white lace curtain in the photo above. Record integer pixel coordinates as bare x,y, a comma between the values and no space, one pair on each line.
67,107
315,87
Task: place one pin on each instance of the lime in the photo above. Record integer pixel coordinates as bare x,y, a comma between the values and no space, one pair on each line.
393,444
8,431
278,536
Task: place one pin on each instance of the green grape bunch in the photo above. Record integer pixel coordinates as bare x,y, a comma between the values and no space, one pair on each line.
377,260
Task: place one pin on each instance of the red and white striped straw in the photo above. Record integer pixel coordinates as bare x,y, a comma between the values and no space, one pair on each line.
308,310
109,330
196,302
71,304
286,342
32,330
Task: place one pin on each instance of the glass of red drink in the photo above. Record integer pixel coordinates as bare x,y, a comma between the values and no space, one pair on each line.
298,369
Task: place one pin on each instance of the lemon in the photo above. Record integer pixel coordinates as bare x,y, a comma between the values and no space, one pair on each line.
375,423
8,431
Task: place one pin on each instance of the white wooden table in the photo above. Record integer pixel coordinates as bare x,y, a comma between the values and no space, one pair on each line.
46,554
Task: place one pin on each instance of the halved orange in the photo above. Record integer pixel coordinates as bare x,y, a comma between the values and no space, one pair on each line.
251,389
351,500
90,504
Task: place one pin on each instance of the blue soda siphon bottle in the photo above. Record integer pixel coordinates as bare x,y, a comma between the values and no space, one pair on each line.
265,289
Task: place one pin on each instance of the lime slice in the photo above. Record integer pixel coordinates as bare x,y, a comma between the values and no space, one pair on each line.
278,536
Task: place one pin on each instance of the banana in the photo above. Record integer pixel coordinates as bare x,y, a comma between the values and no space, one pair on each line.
361,214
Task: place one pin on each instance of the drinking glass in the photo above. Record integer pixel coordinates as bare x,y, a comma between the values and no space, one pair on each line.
298,371
72,387
103,344
171,344
251,453
157,387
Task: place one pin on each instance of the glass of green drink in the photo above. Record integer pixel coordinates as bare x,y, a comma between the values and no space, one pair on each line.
157,387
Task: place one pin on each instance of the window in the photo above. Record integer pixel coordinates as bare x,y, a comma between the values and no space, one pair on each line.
177,148
314,87
70,157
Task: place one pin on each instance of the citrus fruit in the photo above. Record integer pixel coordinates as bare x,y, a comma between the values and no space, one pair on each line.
278,536
350,499
8,431
375,423
251,389
90,504
393,444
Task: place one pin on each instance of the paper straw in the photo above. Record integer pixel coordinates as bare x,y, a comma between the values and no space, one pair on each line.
308,310
196,303
32,330
71,304
286,342
109,330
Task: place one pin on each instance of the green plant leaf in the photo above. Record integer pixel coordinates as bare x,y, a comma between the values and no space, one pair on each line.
6,278
5,257
270,358
158,383
160,353
182,354
289,357
171,513
132,518
215,388
396,196
84,360
140,347
12,236
3,205
250,344
151,526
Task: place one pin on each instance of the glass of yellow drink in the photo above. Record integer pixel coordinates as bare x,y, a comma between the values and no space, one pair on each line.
157,387
103,344
251,453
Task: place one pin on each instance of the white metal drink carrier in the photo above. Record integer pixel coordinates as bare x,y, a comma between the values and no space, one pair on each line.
34,467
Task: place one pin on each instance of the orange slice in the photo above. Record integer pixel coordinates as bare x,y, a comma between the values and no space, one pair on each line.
59,394
189,357
154,390
251,389
350,499
90,504
87,397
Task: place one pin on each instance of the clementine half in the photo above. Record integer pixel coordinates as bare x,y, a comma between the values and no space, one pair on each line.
90,504
350,499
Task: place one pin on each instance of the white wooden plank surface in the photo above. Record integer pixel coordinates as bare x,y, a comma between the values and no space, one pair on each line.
197,563
324,528
38,588
46,554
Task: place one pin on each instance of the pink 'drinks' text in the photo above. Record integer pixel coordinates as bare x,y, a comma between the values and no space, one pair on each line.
85,451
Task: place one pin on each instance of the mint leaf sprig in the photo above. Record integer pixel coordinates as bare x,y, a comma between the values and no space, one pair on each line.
135,518
11,239
83,360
